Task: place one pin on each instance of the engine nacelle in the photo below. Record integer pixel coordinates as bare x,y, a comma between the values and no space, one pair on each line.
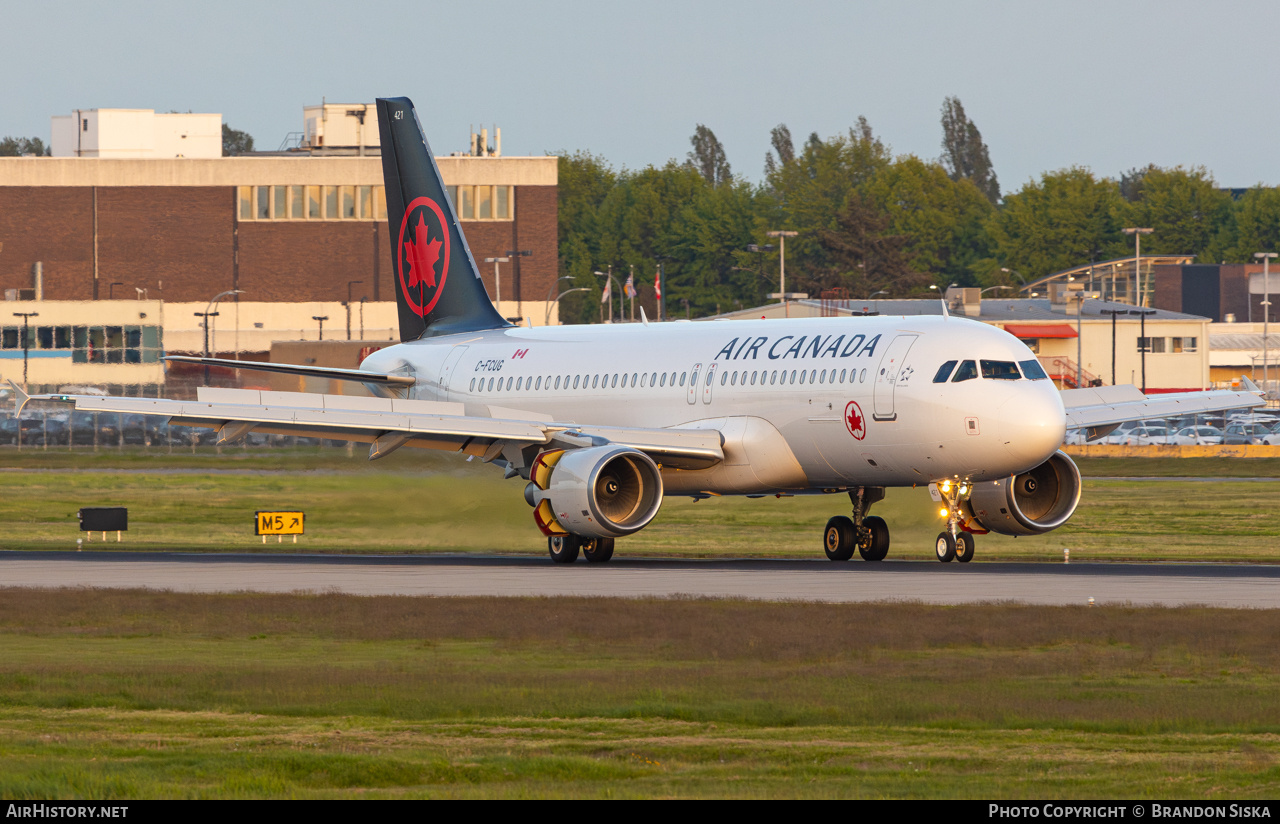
1033,503
599,492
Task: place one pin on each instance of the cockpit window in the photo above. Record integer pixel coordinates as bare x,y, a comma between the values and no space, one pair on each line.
944,372
967,372
1033,370
1000,370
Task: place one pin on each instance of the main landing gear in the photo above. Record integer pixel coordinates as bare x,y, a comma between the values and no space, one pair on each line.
869,535
564,549
954,543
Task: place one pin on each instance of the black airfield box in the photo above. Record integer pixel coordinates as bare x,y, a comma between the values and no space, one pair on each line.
104,519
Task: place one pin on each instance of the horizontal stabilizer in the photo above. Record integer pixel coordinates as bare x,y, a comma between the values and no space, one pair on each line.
332,373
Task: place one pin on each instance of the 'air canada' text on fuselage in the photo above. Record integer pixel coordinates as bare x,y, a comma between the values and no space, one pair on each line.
819,346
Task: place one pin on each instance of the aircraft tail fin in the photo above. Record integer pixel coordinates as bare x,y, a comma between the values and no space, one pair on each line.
438,287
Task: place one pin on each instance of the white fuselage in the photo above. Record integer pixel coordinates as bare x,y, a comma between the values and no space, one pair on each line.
852,399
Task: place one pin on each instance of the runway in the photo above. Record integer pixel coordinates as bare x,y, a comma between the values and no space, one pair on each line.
1221,585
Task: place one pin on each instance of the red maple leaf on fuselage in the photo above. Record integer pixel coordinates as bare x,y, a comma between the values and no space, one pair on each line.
422,254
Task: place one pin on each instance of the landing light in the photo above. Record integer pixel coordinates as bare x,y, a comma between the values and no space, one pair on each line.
963,489
946,486
943,512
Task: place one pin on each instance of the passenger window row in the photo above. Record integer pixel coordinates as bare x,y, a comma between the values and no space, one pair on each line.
662,379
991,370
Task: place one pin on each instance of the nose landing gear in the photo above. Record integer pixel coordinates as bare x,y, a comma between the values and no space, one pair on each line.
868,535
954,543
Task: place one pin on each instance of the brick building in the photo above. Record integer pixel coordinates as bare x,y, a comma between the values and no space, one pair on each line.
281,228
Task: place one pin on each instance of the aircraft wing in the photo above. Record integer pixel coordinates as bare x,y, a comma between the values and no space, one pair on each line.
389,423
1100,409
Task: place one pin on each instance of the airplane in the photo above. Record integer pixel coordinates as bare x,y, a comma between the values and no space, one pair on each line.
603,422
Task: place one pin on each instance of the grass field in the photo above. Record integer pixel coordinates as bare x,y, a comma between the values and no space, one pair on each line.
136,694
426,502
117,694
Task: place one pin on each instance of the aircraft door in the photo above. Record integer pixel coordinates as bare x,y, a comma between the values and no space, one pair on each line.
446,371
710,384
889,375
693,382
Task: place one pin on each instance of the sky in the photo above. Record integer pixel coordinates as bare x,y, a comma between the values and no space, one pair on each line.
1105,85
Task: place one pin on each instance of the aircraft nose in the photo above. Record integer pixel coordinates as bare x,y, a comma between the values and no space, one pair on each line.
1032,423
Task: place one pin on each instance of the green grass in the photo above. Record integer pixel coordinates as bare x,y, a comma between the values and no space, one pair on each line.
112,694
426,502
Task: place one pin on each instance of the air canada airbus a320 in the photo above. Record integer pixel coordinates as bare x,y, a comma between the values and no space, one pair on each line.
602,422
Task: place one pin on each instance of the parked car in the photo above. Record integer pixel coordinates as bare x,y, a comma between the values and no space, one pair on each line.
1193,435
1238,434
1272,438
1143,433
88,428
35,430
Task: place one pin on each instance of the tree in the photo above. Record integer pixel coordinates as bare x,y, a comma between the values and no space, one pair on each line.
20,146
235,142
868,258
944,220
708,157
964,155
807,193
1254,227
1053,223
1184,206
780,139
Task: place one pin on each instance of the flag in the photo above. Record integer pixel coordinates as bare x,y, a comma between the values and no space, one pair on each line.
657,284
608,291
629,288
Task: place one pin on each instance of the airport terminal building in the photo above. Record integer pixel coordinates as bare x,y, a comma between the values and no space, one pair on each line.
111,250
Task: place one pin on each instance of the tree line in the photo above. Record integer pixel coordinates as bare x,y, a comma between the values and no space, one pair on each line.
871,221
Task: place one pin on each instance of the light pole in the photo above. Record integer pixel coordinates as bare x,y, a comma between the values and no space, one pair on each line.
1137,261
782,236
989,288
497,279
209,313
1143,343
515,278
1266,310
546,320
320,319
111,289
1113,313
363,298
26,342
351,283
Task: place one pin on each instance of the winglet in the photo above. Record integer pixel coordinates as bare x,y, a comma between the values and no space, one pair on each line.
20,398
945,313
1249,386
643,319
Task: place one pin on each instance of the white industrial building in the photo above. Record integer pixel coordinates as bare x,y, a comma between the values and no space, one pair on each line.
136,133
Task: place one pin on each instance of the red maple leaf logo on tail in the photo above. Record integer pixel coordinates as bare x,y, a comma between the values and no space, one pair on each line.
854,421
422,254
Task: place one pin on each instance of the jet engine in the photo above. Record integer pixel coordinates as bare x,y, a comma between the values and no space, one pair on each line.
598,492
1032,503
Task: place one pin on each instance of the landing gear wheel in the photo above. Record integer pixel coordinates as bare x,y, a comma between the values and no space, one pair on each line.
874,545
946,547
964,547
564,548
839,539
597,550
